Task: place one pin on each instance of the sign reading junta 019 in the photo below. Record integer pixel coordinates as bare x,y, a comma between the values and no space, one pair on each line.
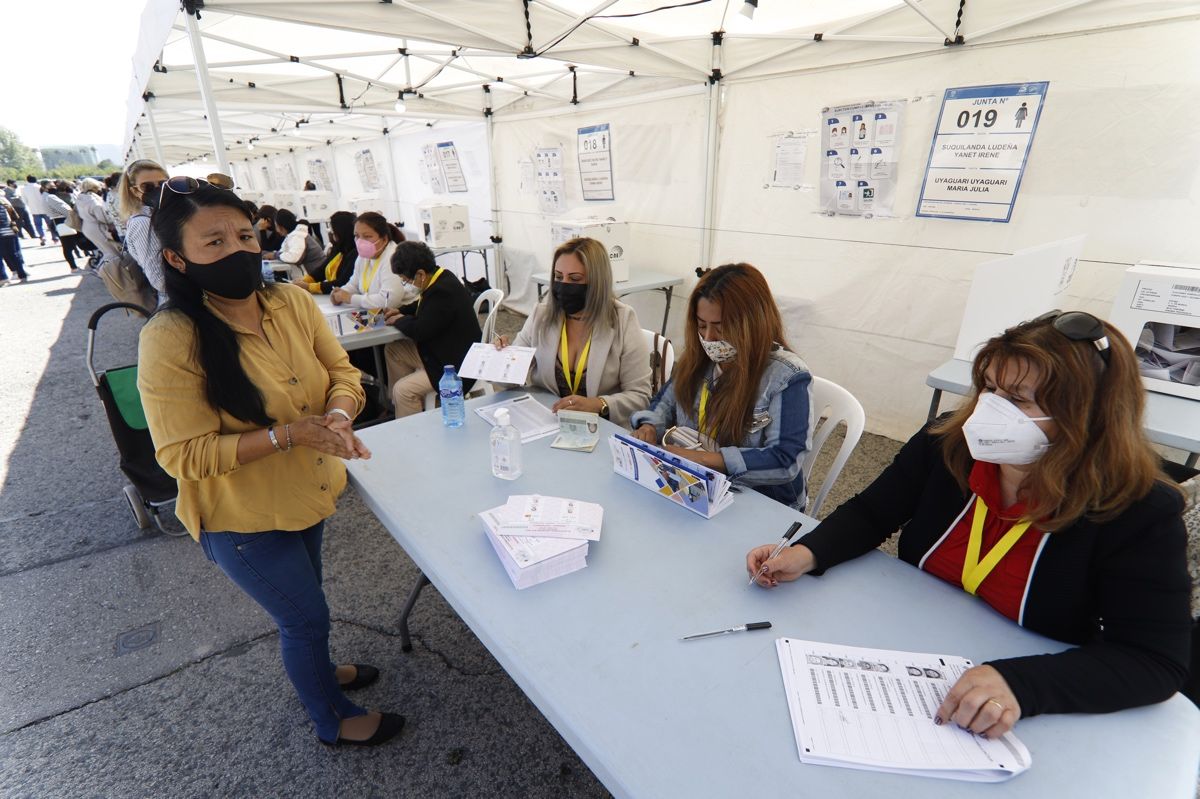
979,151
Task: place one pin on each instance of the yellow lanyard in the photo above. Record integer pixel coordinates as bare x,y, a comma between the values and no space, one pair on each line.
331,269
369,276
703,405
580,362
974,571
432,280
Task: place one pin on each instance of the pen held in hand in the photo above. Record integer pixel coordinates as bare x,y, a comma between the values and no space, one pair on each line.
783,542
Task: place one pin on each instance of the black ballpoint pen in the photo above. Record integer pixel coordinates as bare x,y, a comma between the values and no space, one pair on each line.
783,542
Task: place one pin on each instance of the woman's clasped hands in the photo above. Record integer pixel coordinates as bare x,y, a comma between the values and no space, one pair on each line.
332,434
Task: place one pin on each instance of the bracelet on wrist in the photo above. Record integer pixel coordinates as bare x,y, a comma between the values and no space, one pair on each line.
287,431
340,412
274,440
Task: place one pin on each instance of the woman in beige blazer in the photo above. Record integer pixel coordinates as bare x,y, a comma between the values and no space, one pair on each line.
590,350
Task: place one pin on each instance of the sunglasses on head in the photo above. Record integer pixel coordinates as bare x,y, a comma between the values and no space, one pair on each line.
184,184
1080,326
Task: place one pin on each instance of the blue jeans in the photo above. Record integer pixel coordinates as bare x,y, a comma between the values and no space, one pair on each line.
38,219
281,571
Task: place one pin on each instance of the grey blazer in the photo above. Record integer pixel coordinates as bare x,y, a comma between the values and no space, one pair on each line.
618,364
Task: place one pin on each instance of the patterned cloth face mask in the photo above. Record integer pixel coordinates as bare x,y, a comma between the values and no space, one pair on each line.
719,351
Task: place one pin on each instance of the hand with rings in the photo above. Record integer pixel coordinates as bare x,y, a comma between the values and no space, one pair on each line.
981,702
574,402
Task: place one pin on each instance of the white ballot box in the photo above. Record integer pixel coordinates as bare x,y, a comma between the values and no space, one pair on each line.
1158,310
287,199
612,234
318,205
445,224
361,203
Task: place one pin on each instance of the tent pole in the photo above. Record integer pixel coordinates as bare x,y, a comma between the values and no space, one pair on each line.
711,145
497,233
206,94
393,180
158,150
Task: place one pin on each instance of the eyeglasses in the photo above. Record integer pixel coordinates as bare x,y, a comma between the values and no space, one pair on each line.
1080,326
149,187
184,184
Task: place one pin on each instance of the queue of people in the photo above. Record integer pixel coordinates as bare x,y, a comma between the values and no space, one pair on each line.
1040,496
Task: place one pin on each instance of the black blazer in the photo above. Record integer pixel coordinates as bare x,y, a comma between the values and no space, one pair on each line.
443,325
1117,589
345,271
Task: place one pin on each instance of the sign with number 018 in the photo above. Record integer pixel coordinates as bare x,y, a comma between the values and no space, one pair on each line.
979,151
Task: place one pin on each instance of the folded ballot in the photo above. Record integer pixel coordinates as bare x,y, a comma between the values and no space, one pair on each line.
531,559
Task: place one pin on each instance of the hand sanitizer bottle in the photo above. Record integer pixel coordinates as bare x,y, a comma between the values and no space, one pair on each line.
506,448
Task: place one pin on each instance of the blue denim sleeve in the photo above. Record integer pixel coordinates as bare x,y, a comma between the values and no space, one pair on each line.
787,437
661,412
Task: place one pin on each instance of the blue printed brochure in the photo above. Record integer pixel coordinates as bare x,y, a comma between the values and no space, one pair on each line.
699,489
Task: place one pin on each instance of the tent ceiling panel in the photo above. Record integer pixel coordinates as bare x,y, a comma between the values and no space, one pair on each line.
331,56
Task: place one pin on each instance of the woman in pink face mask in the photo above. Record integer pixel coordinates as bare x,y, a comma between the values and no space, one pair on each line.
374,285
1041,497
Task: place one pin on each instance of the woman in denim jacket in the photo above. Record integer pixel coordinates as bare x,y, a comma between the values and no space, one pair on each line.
748,395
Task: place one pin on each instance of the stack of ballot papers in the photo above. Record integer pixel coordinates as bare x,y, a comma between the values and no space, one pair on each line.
873,709
539,538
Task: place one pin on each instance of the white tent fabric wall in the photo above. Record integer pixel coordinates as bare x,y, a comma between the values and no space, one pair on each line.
875,305
658,162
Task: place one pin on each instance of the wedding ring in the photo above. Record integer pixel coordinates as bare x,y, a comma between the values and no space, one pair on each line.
997,704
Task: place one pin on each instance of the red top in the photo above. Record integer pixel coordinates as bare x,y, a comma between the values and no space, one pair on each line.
1004,588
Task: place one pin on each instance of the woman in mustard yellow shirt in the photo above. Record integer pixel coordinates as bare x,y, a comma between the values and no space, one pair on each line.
249,399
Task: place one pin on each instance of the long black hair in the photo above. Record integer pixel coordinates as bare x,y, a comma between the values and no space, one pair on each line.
227,386
341,234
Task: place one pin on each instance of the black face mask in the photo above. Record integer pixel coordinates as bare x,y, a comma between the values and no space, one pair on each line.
571,297
151,200
234,277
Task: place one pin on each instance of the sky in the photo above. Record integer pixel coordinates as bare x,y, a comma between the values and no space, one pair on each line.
67,67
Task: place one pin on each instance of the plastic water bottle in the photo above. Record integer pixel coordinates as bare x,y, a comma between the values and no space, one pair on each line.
451,389
506,448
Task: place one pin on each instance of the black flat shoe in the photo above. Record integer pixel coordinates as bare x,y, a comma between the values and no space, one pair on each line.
390,725
364,675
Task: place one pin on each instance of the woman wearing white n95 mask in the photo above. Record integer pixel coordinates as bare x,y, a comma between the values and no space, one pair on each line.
1041,497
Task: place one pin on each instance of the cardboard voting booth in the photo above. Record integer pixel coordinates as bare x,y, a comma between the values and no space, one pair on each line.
445,225
1014,289
612,234
1158,310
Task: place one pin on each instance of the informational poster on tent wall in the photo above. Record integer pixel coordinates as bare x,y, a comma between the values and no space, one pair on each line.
368,172
595,162
267,181
318,173
789,160
456,179
432,169
979,151
551,183
285,176
860,143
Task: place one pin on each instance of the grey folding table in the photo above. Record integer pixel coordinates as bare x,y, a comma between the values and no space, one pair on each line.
598,651
373,337
1171,421
639,280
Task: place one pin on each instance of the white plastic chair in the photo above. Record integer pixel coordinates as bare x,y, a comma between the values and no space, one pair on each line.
665,351
493,297
833,405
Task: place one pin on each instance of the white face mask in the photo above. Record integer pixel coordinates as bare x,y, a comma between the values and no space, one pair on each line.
718,351
998,432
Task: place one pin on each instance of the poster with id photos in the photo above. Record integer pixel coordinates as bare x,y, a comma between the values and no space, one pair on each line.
859,146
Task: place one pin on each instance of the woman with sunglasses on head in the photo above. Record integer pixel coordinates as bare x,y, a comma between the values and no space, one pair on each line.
438,328
373,285
139,190
590,349
742,392
249,400
1042,497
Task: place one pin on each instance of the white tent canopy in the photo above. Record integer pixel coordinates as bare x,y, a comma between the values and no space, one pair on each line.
873,305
